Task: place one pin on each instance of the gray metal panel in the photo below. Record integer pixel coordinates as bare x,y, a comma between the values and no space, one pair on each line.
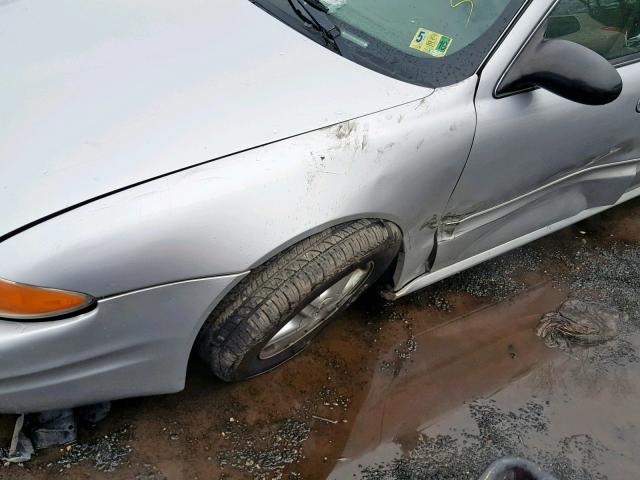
468,262
537,158
111,93
132,345
231,215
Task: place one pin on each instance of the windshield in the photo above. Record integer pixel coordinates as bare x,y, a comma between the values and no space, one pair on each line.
426,42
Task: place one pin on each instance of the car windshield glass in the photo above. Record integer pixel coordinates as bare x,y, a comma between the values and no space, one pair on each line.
427,42
419,27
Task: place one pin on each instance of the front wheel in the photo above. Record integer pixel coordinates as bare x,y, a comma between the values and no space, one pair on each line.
275,312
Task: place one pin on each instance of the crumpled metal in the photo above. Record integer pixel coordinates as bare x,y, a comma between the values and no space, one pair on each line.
53,428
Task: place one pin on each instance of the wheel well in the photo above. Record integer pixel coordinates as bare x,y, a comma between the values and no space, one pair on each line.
386,279
274,291
397,263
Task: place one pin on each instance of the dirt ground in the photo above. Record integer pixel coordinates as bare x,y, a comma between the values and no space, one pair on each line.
435,386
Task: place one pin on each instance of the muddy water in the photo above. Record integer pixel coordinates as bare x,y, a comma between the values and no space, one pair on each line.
435,386
467,357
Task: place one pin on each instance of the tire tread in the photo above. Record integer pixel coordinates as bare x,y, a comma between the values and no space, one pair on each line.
273,290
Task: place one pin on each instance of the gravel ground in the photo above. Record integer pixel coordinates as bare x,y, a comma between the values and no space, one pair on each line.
105,453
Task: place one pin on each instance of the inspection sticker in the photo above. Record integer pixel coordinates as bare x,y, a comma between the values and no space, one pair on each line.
431,43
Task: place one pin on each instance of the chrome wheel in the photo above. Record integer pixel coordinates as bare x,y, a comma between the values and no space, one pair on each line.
316,313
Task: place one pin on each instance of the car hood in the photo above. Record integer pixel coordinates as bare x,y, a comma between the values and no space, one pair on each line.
98,96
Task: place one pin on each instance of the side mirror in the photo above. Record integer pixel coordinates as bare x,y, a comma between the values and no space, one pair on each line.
565,68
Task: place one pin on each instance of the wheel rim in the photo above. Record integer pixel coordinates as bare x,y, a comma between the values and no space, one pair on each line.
316,313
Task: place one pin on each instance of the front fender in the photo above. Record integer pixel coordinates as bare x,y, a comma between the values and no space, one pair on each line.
229,215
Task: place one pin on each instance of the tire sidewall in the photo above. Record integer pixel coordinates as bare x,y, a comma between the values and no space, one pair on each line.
252,365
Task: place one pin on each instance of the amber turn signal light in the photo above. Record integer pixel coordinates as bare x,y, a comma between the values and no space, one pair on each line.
25,302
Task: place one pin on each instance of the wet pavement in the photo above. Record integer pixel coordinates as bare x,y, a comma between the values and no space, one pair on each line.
435,386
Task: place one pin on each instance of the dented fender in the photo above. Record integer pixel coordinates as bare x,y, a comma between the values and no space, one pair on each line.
230,215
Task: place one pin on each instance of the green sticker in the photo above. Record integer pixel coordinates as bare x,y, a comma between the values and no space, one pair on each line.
431,43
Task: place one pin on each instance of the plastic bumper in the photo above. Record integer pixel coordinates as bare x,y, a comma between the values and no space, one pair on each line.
131,345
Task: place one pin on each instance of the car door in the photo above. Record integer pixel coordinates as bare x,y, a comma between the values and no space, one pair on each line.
539,159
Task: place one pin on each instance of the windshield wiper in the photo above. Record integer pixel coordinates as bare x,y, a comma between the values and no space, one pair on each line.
321,23
317,4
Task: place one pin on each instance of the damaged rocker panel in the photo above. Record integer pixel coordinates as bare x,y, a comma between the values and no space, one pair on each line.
451,226
431,277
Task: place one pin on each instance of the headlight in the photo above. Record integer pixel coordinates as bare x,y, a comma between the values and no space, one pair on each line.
28,303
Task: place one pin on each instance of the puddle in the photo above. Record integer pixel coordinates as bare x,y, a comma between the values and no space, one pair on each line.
438,384
467,357
562,414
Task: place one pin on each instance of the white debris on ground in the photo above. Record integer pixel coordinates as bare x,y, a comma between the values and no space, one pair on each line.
21,449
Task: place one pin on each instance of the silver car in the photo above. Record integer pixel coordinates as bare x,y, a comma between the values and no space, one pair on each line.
224,176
